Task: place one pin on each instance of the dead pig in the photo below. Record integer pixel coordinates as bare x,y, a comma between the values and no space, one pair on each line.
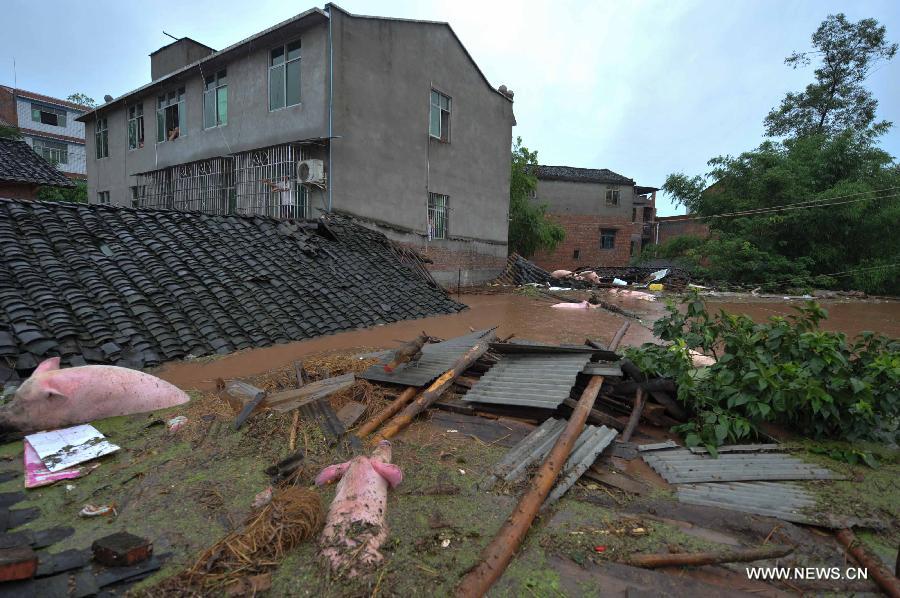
355,527
54,398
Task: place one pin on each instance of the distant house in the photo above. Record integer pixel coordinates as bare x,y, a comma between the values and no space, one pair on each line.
387,120
23,172
49,126
607,218
669,227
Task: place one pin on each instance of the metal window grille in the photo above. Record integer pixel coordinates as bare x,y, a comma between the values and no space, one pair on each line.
437,216
53,151
258,182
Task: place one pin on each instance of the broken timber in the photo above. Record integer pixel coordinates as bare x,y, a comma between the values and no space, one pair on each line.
697,559
388,412
887,582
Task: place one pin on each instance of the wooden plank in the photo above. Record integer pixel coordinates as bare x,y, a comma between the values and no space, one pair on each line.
350,413
287,400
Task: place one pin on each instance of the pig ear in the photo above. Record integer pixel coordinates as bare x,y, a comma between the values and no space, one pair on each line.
331,473
389,471
48,365
52,387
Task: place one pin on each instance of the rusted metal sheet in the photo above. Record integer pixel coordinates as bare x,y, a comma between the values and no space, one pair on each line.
680,466
436,359
533,380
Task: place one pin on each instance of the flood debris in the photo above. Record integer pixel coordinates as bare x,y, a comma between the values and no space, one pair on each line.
698,559
55,398
17,563
121,549
888,583
408,352
355,527
61,449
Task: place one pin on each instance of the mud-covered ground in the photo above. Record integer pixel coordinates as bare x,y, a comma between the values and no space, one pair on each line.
185,490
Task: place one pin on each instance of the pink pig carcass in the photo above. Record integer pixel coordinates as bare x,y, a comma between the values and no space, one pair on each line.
53,398
355,527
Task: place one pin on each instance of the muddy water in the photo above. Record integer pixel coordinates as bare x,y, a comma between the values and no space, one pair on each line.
525,317
850,317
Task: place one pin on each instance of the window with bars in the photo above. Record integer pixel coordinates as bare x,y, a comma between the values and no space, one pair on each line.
607,238
48,116
284,76
612,196
170,116
101,138
437,216
215,100
439,119
103,198
138,193
136,126
55,152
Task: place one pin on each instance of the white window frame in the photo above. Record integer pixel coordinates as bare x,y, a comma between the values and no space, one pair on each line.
612,196
284,65
103,198
436,102
211,87
438,221
165,102
135,115
101,138
55,155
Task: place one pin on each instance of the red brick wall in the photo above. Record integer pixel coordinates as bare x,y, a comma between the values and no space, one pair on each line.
452,260
18,191
679,226
8,107
583,234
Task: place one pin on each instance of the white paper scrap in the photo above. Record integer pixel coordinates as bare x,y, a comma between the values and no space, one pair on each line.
64,448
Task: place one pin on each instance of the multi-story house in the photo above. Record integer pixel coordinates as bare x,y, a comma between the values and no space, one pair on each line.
387,120
607,218
49,125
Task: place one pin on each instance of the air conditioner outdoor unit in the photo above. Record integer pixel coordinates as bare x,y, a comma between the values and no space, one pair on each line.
311,172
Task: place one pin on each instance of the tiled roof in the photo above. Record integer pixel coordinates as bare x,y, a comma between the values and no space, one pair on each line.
30,95
19,163
133,287
581,175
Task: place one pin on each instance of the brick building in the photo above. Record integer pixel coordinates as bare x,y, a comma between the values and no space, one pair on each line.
669,227
607,218
23,172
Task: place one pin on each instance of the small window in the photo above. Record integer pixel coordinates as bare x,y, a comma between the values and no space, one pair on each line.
138,193
634,214
103,198
437,216
215,100
55,152
284,76
439,120
136,126
48,116
170,116
576,254
612,196
101,138
607,238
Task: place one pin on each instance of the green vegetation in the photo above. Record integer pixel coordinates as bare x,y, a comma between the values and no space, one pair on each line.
822,151
76,194
82,99
786,370
529,227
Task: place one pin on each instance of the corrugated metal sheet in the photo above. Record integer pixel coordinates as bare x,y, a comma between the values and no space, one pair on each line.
535,447
680,466
603,368
786,501
435,360
529,380
530,347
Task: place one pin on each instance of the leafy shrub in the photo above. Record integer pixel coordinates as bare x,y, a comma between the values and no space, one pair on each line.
785,370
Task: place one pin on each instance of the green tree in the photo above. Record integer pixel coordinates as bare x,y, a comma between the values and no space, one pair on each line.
529,227
837,99
76,194
10,132
82,99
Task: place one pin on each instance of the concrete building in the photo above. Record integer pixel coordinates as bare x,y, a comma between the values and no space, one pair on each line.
49,126
387,120
607,218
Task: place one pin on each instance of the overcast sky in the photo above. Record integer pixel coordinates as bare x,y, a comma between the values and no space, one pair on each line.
642,88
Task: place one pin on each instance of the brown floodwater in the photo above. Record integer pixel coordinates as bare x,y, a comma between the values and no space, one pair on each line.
525,317
849,317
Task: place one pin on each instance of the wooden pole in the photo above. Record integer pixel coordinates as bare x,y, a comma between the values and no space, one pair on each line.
497,555
697,559
619,335
640,397
882,575
433,393
388,412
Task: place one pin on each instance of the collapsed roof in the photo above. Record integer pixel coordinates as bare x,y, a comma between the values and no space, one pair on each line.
102,284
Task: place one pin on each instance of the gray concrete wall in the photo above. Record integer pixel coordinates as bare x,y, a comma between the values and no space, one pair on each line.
566,197
250,123
385,163
178,54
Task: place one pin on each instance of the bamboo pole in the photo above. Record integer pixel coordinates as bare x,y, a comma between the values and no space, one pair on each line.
697,559
497,555
887,582
433,393
388,412
619,335
640,398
